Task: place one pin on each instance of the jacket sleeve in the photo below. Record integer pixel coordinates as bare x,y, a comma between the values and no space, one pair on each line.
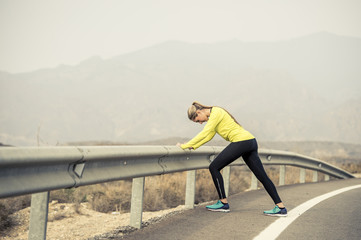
206,134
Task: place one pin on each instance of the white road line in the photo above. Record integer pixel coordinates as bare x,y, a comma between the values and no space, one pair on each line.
277,227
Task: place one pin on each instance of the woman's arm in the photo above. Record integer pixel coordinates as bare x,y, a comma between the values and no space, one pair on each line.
207,133
202,138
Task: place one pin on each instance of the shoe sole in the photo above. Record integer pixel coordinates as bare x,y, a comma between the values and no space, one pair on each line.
275,215
218,210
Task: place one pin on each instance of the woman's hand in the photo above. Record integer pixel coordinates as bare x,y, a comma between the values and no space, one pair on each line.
179,145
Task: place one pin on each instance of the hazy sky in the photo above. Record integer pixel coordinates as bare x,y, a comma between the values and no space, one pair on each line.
45,33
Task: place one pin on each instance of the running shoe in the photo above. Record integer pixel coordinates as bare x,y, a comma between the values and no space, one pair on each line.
276,211
218,207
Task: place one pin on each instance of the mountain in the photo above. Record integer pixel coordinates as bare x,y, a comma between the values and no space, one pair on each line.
301,89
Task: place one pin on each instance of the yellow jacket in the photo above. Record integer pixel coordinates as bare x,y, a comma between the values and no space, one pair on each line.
222,123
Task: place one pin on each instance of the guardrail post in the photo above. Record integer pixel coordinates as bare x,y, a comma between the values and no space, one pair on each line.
38,215
254,182
136,208
282,175
302,175
190,189
327,177
226,178
315,176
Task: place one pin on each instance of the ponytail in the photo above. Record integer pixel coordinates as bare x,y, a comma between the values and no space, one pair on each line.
200,106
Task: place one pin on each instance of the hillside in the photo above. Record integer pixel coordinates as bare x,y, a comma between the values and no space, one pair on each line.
304,89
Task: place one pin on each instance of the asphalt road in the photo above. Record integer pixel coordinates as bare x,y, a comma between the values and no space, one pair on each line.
337,217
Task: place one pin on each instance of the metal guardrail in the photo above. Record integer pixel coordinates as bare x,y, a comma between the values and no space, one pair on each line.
25,170
276,157
37,169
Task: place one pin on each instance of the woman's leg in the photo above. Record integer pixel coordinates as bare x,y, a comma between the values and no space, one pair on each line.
227,156
254,163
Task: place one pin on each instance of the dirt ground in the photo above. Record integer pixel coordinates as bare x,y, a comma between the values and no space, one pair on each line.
66,221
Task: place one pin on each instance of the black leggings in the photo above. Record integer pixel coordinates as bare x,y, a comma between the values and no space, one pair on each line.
248,150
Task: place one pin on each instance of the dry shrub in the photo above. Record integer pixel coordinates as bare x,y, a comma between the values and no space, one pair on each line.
110,197
350,166
104,197
5,221
205,190
13,204
10,205
164,191
240,179
65,195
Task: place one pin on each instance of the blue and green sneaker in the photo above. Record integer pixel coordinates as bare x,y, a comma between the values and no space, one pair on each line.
276,211
218,207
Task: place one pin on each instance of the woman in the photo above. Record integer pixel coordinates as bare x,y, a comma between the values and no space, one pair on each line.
242,144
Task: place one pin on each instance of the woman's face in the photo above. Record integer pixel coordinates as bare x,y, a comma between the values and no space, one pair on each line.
201,117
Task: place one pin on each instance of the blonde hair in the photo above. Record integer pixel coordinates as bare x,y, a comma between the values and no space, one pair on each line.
192,111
